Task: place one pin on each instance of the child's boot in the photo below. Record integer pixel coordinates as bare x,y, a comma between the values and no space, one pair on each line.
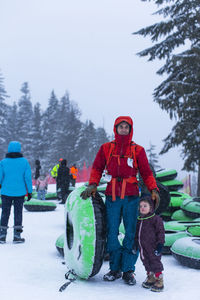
158,285
149,281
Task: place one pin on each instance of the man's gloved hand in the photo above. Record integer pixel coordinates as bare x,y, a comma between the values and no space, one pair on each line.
158,250
29,196
90,190
155,197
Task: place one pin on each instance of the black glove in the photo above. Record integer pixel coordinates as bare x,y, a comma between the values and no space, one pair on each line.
29,196
158,250
90,190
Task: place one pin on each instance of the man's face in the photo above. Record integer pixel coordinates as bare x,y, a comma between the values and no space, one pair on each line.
123,128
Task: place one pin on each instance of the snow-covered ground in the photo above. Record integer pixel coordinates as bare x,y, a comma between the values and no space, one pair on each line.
34,270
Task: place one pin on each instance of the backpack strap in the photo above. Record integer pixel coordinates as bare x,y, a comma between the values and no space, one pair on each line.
112,147
133,153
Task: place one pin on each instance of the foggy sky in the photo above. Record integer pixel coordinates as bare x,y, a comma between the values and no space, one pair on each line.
87,48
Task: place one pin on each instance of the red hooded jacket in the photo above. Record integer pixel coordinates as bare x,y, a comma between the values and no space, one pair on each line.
118,167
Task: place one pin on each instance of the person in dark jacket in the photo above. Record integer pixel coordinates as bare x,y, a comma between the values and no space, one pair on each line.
63,180
150,237
37,169
16,182
121,159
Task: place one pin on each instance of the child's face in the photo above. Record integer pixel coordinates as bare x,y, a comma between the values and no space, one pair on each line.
144,207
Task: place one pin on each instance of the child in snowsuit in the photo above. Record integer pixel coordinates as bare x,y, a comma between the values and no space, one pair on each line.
150,238
41,187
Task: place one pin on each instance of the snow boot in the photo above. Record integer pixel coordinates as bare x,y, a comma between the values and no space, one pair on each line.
17,235
149,281
129,278
158,285
3,233
112,275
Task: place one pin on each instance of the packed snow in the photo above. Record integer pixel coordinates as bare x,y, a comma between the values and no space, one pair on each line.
35,269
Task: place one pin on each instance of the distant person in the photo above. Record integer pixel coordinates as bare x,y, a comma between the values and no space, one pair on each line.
41,187
73,173
150,238
16,182
37,169
54,171
63,180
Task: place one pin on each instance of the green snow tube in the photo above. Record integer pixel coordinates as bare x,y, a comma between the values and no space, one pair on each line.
194,230
60,244
180,225
167,175
85,228
173,185
179,194
39,205
48,196
187,252
170,237
51,196
179,215
166,215
191,207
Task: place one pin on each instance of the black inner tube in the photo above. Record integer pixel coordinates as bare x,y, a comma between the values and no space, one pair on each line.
99,212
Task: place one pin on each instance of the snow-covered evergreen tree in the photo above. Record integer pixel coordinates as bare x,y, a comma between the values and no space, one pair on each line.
37,143
25,123
179,94
153,157
68,129
12,126
49,132
3,118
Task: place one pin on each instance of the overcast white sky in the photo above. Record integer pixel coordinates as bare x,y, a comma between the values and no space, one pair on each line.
87,48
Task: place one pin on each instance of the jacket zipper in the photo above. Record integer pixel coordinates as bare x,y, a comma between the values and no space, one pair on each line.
139,235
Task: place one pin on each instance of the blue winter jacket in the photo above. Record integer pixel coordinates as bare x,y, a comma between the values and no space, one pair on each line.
15,172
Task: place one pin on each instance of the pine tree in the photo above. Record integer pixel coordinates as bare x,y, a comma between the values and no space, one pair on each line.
3,118
49,132
68,130
37,143
25,123
179,94
12,127
153,157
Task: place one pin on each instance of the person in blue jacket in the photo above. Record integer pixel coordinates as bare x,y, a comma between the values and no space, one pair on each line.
15,182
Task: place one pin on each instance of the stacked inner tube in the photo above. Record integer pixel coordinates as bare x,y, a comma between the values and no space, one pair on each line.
84,238
39,205
166,175
191,207
187,251
170,237
48,196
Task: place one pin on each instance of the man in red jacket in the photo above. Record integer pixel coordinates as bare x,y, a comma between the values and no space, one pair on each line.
121,159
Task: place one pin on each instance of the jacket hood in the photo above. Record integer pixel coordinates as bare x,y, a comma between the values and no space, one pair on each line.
14,147
128,120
